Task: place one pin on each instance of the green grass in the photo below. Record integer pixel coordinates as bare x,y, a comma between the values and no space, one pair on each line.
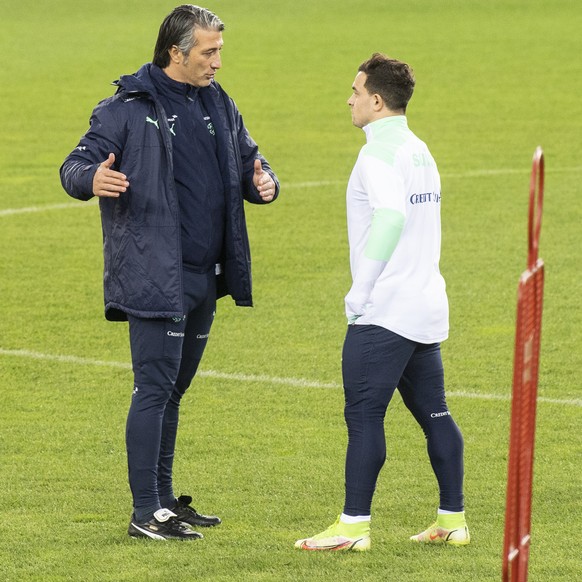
494,80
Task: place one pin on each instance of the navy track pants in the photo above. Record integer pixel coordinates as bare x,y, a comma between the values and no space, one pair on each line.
375,361
165,355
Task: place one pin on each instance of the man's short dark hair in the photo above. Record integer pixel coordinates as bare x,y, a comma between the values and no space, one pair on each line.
177,29
391,79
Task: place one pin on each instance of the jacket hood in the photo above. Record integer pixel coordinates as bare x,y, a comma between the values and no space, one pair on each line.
139,82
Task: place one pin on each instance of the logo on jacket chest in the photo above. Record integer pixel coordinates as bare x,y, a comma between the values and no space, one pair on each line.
209,125
152,121
171,122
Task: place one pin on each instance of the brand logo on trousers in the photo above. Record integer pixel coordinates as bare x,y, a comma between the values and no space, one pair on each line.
439,414
176,334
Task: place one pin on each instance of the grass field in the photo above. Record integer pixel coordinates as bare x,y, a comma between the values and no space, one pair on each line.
262,435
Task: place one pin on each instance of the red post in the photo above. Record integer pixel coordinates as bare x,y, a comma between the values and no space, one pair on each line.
525,387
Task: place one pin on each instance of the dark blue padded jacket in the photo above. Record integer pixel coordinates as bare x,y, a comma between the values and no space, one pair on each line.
141,228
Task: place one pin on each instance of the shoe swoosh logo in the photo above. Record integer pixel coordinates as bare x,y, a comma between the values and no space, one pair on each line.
347,544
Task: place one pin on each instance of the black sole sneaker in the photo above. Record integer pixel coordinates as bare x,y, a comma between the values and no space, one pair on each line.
164,525
184,512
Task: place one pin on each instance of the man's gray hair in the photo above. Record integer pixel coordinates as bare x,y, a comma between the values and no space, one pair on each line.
178,28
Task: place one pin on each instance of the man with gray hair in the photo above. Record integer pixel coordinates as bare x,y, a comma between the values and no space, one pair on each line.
171,161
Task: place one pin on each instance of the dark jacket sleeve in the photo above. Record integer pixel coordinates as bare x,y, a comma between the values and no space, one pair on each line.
104,136
249,153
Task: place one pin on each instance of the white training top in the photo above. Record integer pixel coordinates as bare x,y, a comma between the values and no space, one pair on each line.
395,170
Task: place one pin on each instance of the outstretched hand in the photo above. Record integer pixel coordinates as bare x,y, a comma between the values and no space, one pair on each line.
264,182
108,182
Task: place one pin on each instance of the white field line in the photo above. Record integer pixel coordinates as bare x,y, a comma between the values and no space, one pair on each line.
507,172
262,378
45,207
466,174
304,185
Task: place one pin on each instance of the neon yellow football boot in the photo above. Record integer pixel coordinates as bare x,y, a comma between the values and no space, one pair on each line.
339,536
449,529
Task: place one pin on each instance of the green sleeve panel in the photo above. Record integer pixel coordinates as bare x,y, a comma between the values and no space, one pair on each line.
385,232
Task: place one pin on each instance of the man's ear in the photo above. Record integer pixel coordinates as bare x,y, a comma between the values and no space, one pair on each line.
175,55
377,102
